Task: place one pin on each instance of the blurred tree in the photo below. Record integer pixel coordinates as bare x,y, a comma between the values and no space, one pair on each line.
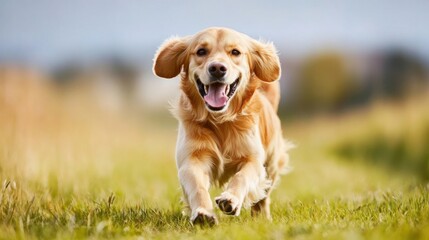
402,74
324,83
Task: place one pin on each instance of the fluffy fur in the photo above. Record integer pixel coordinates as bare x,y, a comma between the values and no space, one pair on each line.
240,146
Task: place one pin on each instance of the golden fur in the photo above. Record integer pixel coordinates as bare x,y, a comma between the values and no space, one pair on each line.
241,146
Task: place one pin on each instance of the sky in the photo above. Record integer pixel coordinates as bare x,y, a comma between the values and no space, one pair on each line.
53,31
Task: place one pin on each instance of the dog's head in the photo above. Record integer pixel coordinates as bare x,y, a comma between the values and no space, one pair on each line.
219,64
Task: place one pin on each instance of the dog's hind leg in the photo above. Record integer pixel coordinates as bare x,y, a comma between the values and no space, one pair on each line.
262,208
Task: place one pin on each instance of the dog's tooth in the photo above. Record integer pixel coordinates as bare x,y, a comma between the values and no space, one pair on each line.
227,89
206,88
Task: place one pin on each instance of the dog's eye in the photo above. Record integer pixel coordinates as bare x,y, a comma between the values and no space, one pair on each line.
201,52
235,52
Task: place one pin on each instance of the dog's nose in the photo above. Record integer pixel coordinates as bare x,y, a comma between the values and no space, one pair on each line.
217,70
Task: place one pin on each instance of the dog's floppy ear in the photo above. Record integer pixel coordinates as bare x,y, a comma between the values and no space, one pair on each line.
170,57
265,62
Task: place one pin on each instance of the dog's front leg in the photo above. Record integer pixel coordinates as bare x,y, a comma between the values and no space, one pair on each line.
247,181
195,180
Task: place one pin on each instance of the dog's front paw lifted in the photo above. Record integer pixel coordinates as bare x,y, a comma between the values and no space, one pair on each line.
203,217
228,203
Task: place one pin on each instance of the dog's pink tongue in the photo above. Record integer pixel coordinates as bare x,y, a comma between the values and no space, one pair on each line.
216,95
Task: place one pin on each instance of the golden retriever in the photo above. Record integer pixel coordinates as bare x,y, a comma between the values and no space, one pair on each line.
229,131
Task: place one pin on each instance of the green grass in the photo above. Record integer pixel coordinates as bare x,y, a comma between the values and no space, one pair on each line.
393,215
78,172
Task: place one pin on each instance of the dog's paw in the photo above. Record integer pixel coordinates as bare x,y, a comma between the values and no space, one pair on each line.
228,203
203,217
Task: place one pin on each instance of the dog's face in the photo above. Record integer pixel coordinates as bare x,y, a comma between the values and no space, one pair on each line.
219,63
219,66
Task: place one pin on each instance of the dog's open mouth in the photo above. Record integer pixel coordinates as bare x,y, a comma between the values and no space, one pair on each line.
216,95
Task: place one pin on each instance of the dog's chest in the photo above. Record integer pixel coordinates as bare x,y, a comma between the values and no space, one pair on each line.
234,147
237,144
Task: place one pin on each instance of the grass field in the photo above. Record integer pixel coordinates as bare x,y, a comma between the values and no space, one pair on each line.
71,170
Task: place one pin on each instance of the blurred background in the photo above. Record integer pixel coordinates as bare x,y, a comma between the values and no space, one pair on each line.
82,113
